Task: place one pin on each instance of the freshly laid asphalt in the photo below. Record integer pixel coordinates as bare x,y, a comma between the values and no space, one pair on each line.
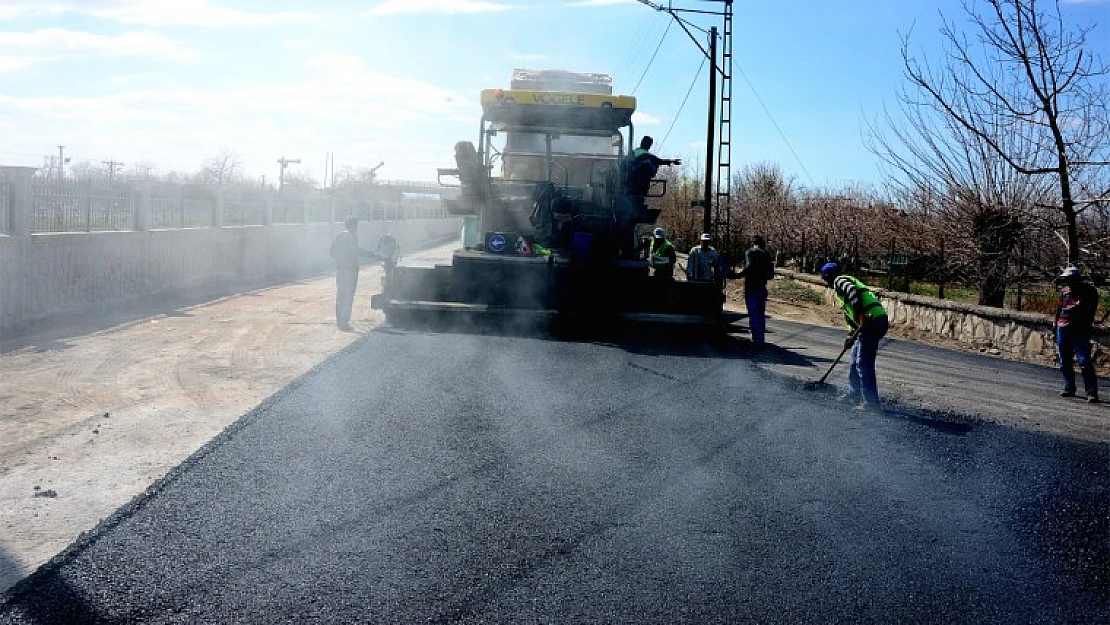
460,477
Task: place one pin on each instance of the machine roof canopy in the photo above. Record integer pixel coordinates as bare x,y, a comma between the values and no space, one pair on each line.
561,109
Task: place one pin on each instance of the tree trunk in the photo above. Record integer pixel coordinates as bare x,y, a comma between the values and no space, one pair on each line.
997,233
992,290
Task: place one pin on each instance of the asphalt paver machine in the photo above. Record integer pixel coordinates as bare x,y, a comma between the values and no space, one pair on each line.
550,231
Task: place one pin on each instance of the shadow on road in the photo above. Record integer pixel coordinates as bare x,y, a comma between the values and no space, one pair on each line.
658,339
27,599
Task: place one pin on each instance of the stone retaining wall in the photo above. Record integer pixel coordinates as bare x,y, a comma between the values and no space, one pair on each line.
1011,334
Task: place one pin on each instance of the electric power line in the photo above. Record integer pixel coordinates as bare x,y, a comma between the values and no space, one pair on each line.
637,45
653,55
683,105
774,123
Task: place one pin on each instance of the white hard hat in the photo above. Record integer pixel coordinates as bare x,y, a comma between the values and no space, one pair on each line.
660,233
1072,272
706,237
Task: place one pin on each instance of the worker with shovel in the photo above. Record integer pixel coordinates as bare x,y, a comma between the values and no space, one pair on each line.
867,319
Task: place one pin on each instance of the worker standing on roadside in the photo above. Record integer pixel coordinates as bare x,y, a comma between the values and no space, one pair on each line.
757,272
701,263
346,252
1075,321
663,255
863,313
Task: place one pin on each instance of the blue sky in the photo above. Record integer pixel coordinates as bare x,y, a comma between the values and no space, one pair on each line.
170,83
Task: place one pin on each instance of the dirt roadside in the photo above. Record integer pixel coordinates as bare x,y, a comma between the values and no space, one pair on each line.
90,420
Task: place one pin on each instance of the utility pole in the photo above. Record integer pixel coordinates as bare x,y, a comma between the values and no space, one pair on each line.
113,165
707,215
61,162
329,170
285,162
725,140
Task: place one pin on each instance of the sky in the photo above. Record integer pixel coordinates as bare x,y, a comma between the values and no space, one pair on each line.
170,83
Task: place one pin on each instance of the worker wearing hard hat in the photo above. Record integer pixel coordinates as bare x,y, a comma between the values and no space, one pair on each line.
868,321
662,254
701,263
1074,322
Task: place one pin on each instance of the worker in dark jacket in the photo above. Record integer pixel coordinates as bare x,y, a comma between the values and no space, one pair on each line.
347,254
642,167
862,312
1074,321
758,270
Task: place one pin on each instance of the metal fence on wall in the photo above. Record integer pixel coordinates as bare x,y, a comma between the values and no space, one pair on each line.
90,206
81,206
5,207
181,206
244,207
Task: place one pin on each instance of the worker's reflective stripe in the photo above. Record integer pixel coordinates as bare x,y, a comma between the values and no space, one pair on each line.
872,308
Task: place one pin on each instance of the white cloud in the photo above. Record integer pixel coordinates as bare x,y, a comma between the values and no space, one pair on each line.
527,58
643,119
150,12
147,80
394,7
339,106
11,64
599,3
20,50
194,13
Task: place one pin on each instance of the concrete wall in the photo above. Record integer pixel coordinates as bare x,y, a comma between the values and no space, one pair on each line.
47,275
1016,335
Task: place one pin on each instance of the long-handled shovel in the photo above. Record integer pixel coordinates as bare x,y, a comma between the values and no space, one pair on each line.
847,345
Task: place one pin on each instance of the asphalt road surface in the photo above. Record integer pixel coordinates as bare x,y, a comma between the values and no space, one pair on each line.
440,477
951,384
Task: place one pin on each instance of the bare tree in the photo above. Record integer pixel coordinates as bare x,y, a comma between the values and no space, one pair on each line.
223,168
977,206
1031,93
143,170
87,170
301,180
763,203
683,223
356,176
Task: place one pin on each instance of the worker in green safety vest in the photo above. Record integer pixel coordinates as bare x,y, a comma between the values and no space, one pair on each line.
867,319
662,255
